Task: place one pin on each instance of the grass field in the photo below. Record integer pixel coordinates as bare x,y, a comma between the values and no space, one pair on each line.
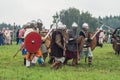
106,66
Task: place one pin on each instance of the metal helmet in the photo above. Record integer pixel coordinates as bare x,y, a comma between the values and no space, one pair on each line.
39,21
32,24
61,26
85,26
25,26
74,24
39,24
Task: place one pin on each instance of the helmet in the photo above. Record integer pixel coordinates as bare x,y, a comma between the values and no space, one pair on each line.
39,21
74,24
32,23
85,26
26,26
61,26
39,24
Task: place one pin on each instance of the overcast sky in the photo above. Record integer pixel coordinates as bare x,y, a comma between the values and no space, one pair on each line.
23,11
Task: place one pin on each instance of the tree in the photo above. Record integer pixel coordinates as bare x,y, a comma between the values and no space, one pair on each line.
71,15
4,25
87,17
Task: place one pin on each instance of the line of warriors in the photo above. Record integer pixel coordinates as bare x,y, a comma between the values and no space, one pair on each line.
61,45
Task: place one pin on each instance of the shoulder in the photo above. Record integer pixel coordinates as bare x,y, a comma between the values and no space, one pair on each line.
81,32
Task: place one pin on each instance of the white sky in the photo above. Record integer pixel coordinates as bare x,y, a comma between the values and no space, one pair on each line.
23,11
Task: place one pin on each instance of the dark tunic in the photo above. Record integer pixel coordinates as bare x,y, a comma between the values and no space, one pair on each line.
71,46
82,33
97,37
85,35
56,51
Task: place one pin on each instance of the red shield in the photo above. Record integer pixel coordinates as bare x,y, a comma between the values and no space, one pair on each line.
32,42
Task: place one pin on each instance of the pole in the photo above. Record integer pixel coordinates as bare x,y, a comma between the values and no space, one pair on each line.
96,32
14,32
48,33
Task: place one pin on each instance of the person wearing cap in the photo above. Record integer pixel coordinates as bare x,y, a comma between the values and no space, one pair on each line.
57,46
86,51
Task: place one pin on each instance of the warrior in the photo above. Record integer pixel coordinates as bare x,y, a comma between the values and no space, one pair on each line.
100,37
116,40
32,56
86,49
116,34
58,46
71,52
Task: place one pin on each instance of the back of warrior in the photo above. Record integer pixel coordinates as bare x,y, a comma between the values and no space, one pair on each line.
71,46
56,50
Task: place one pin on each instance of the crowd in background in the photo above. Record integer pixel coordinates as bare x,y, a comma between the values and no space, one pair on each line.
5,36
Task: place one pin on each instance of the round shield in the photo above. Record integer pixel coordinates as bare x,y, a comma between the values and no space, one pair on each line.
32,42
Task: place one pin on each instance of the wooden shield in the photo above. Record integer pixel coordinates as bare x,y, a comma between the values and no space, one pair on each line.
32,42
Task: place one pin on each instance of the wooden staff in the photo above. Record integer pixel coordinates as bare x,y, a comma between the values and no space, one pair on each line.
96,32
16,53
64,47
48,33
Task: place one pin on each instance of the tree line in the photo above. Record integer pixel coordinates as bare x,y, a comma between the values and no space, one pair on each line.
11,27
71,15
68,16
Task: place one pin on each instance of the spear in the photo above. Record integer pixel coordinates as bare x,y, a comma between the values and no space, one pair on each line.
96,32
16,53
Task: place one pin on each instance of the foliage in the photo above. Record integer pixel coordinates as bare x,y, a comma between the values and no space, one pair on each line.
106,66
111,21
11,27
87,17
69,16
73,15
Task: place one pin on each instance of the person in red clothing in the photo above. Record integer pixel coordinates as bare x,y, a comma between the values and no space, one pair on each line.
21,33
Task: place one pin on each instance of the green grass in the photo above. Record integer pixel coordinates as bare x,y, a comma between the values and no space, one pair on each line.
106,66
